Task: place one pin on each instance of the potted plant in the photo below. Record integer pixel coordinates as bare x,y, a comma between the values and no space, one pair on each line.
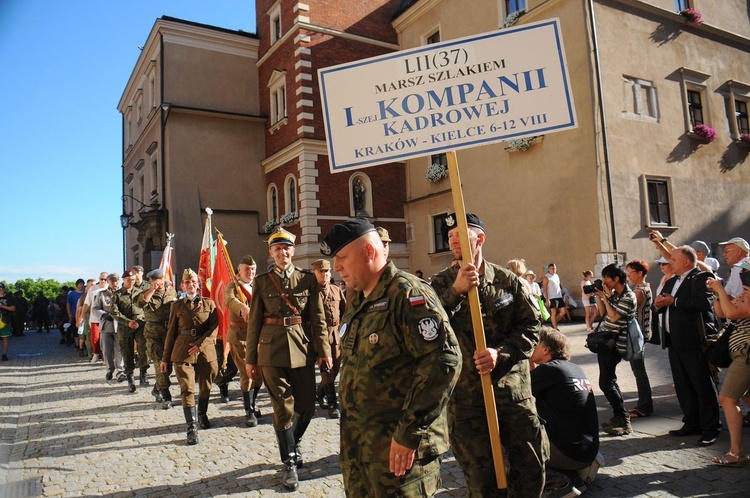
744,139
692,15
704,132
269,225
522,144
436,172
287,218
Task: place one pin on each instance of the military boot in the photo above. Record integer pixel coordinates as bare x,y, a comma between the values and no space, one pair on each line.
333,405
254,401
224,391
250,419
289,478
202,413
167,397
321,395
131,383
192,428
143,377
158,396
620,426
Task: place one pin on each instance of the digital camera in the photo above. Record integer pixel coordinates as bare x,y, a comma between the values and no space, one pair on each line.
591,289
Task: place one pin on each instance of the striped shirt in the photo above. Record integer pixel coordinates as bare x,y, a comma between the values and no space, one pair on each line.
625,306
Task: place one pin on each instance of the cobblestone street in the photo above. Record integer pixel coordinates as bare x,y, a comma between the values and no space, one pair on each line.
66,431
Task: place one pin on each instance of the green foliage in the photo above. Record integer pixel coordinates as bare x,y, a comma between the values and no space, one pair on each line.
49,287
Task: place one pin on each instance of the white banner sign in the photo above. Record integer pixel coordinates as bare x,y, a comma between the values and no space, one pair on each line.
462,93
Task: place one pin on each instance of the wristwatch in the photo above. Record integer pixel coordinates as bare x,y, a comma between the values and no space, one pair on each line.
663,240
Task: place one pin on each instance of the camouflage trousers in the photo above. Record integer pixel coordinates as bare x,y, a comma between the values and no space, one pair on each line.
375,480
155,345
129,339
521,434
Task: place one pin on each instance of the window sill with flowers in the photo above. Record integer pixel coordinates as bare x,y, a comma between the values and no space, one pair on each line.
284,220
692,16
522,144
744,140
702,133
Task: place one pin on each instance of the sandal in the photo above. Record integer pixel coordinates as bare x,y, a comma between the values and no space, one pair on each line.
636,413
724,460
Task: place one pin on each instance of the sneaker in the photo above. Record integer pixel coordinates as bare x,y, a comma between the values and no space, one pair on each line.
709,438
567,490
5,357
95,358
620,427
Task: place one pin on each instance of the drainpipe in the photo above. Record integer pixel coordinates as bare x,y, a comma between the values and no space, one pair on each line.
163,124
603,118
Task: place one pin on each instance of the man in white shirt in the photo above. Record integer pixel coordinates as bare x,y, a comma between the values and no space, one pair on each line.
735,252
95,314
553,294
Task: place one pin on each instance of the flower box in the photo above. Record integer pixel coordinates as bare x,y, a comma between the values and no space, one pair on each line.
522,144
436,172
703,133
692,15
744,140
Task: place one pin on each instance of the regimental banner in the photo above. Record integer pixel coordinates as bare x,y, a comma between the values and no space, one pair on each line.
461,93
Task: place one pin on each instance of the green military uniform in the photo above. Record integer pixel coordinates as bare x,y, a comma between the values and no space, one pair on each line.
124,308
511,325
193,323
334,306
400,362
284,343
156,312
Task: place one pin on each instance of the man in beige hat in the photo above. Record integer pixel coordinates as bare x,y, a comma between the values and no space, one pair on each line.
334,305
385,238
735,253
286,330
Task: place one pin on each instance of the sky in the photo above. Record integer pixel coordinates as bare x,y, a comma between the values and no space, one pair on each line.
64,67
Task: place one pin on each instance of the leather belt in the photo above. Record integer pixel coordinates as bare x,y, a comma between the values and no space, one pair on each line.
157,323
286,321
239,324
188,332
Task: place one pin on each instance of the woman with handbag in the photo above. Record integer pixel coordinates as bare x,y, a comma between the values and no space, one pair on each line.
737,380
588,300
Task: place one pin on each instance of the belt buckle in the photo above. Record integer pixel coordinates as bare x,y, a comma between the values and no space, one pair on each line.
192,332
288,321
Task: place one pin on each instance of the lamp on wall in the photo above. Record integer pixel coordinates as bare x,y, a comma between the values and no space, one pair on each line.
125,220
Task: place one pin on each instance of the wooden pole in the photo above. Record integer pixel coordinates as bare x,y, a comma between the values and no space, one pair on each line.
476,320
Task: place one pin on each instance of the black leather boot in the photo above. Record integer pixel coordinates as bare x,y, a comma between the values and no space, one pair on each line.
250,419
298,430
289,478
131,383
254,401
142,379
333,405
158,396
321,395
224,391
192,428
202,414
166,404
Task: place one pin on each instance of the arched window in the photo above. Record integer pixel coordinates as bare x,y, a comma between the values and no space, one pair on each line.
290,197
272,198
360,195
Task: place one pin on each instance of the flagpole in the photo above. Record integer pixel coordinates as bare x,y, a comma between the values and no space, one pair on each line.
229,262
476,320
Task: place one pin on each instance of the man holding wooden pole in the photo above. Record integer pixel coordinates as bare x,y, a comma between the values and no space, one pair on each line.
511,327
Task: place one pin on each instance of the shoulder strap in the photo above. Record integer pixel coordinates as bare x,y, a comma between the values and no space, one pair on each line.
283,296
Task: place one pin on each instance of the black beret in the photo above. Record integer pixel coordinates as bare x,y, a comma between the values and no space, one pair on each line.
450,222
344,233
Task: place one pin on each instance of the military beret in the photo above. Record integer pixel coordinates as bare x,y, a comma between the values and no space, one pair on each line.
128,273
138,268
281,236
344,233
113,276
189,274
383,233
451,222
154,274
248,260
701,246
321,265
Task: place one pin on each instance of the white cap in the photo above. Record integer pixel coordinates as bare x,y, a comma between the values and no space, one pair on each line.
712,263
662,260
739,242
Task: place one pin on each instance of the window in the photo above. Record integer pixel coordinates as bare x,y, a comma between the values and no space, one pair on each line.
277,89
439,239
360,195
736,98
154,174
439,159
680,5
290,199
142,188
275,17
640,100
433,38
695,107
659,212
741,115
273,202
139,106
512,6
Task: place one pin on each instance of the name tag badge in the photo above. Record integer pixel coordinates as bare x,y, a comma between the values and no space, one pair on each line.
342,330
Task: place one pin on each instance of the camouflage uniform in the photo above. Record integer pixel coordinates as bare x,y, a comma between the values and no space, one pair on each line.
511,325
400,362
156,312
125,308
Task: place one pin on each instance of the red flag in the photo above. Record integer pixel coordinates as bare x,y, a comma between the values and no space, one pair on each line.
206,262
221,277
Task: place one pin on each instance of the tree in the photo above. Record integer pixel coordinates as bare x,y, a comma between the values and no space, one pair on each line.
49,287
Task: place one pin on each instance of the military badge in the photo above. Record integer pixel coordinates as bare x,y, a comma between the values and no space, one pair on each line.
450,220
325,248
428,328
373,338
342,330
416,300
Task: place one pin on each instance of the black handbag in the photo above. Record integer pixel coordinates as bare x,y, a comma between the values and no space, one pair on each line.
598,341
717,348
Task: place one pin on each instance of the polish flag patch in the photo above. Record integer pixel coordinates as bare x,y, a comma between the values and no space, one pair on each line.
416,300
